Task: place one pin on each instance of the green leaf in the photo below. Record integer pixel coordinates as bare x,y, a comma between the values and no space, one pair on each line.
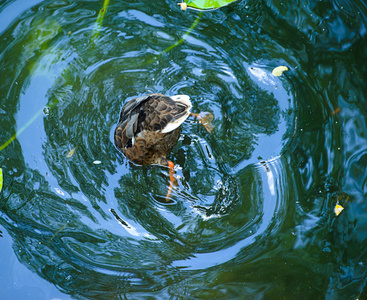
1,179
208,4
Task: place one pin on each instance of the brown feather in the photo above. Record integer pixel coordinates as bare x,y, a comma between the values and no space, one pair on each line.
138,135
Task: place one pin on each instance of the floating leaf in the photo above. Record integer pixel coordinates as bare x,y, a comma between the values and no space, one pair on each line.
338,209
204,4
278,71
1,179
71,153
183,5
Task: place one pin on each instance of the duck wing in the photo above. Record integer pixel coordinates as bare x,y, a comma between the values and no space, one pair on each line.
180,112
153,112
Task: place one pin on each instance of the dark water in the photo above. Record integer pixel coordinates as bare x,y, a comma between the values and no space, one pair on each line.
253,215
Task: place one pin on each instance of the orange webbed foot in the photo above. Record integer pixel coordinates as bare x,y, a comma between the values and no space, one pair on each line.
205,118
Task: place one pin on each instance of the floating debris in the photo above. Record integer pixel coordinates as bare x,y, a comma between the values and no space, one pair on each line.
338,209
97,162
183,5
340,198
336,111
71,153
278,71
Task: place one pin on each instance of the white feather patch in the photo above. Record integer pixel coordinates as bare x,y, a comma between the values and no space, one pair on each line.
174,124
183,99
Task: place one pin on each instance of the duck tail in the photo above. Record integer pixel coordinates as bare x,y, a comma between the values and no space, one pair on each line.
184,99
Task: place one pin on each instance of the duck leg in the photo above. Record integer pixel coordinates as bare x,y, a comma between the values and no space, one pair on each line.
205,118
172,179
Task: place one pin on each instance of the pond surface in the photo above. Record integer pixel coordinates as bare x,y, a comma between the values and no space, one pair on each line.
253,213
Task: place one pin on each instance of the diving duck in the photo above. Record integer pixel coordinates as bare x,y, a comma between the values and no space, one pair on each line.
149,128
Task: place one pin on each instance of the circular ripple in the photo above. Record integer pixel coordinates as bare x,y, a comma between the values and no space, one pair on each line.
103,226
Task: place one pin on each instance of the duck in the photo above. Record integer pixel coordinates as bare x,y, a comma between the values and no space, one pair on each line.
149,128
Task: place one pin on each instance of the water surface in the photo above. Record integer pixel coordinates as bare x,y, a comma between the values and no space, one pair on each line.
253,213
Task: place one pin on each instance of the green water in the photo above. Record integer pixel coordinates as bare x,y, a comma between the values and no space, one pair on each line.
253,214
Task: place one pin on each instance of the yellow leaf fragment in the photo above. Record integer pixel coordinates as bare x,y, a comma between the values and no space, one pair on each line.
278,71
1,179
183,5
338,209
71,153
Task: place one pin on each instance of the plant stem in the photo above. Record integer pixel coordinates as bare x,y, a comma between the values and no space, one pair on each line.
99,21
30,121
185,35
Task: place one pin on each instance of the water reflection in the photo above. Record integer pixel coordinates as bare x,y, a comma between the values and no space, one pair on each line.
253,209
